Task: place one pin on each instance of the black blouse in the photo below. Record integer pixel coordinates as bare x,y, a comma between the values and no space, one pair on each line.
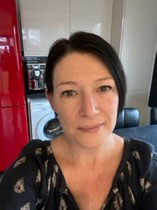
36,182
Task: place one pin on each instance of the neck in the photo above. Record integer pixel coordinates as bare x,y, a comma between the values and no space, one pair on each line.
85,157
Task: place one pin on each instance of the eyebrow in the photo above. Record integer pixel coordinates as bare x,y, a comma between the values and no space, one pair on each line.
104,79
66,83
75,83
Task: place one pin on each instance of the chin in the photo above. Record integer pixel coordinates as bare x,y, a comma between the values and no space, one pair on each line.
89,138
92,140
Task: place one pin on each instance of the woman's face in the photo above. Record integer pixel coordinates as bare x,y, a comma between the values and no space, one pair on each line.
86,99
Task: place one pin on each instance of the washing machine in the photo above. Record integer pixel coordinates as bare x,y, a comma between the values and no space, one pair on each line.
43,121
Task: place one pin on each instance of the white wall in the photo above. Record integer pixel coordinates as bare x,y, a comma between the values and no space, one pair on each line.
137,49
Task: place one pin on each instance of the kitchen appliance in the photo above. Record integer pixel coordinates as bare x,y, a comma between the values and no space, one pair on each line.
43,121
34,73
14,132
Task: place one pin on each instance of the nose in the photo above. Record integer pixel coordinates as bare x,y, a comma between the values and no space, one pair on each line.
89,106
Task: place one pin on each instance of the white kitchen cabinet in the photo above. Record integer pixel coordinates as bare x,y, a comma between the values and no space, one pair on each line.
138,42
45,21
42,23
136,45
92,16
138,51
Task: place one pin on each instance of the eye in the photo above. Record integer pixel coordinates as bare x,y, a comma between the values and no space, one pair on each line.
104,88
68,93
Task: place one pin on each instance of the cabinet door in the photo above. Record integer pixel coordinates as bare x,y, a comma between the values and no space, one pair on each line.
42,23
92,16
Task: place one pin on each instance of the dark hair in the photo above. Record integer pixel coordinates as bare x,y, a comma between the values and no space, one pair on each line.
83,42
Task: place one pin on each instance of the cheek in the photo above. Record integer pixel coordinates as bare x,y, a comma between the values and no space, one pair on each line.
64,108
68,122
115,110
112,108
66,116
115,103
112,103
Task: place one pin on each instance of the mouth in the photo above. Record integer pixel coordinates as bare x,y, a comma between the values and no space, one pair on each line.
91,129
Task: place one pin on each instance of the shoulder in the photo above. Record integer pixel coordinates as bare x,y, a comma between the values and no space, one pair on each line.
146,163
145,159
36,149
34,164
141,150
37,146
28,177
36,154
34,158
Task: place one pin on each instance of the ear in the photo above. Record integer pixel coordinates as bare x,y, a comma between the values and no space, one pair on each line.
50,98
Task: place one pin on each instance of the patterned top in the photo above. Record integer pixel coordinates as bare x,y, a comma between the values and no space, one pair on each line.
36,182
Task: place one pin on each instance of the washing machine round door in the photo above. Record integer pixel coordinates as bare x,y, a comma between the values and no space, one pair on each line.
53,128
48,127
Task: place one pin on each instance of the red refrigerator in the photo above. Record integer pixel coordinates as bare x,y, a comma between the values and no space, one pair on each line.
13,113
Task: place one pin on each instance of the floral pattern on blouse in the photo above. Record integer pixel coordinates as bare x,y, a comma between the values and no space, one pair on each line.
26,207
19,186
35,180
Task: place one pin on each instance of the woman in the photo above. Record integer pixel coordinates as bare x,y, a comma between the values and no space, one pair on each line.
88,167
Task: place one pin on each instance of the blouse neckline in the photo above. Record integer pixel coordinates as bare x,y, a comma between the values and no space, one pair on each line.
64,188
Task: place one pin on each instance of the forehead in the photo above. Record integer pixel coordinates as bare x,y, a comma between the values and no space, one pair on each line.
80,65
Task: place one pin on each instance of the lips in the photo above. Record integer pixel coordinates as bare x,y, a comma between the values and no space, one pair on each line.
91,129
